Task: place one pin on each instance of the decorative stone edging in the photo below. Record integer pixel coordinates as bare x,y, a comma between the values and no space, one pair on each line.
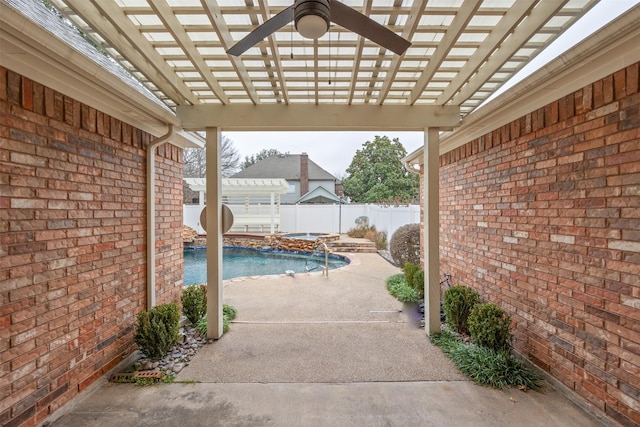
170,365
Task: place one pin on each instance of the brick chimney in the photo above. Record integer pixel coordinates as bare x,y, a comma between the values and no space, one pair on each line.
304,174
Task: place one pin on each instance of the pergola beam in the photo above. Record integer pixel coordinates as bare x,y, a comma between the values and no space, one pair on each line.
275,56
212,10
522,32
410,28
184,42
318,117
456,28
511,19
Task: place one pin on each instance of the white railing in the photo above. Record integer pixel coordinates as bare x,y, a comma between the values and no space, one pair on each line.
328,218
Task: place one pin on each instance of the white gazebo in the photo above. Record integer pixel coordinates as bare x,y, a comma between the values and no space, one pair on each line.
255,203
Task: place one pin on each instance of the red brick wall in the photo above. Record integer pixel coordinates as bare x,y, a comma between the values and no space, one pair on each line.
72,244
542,216
169,250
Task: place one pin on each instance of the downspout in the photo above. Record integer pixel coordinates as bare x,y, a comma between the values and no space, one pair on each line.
151,215
410,168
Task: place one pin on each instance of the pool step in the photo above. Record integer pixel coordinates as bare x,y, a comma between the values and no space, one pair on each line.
353,245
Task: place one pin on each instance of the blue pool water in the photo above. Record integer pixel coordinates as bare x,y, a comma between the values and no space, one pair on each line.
241,262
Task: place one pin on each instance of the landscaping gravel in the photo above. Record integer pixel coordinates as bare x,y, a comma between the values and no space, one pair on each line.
178,357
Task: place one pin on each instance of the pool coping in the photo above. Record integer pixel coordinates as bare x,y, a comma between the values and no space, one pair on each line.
354,261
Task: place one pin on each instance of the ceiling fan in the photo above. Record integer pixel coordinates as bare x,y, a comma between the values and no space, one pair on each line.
312,18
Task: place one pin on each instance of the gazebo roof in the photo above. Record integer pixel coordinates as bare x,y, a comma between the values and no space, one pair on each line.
242,186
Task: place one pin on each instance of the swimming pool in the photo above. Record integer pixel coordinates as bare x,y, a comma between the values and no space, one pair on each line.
241,262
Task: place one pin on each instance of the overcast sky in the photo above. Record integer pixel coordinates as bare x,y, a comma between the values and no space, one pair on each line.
333,151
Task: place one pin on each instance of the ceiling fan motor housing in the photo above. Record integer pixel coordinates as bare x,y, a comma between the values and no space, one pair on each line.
312,17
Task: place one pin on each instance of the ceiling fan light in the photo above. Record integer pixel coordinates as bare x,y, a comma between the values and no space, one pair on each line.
312,26
312,17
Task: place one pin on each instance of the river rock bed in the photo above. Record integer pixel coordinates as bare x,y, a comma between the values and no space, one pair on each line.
177,358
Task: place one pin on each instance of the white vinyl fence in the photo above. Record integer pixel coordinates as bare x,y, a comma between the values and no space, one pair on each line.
328,218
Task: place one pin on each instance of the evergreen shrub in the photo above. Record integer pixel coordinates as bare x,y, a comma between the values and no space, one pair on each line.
194,302
458,303
228,313
157,330
418,282
490,326
415,277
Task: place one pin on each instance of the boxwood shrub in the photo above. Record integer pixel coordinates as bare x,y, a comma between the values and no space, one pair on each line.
157,330
194,302
490,326
458,303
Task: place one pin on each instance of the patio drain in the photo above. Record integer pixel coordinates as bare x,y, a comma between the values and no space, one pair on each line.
121,377
129,376
148,374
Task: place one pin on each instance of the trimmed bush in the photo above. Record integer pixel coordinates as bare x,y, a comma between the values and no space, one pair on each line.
228,313
490,326
418,282
194,302
157,330
410,269
405,245
415,277
457,305
395,280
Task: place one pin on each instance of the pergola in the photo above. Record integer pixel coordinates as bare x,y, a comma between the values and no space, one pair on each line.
255,203
461,52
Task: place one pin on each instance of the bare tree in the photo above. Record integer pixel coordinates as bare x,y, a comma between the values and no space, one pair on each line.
263,154
195,164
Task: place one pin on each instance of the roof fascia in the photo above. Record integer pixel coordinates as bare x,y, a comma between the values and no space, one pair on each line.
33,52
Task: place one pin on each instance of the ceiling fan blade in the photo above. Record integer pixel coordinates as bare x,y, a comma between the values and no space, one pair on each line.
361,24
263,31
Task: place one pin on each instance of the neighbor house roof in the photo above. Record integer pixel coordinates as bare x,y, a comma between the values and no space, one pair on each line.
285,166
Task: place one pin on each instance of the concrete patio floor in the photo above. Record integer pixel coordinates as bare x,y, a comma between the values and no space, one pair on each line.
311,350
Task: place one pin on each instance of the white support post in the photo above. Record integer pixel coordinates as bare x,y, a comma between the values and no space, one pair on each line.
431,188
273,213
214,234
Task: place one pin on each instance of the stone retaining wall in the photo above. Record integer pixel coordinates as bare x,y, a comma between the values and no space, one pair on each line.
277,242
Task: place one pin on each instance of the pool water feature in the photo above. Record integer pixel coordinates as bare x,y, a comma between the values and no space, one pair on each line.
241,262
